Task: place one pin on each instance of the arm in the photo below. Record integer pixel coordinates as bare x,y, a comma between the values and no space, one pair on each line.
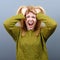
50,25
9,25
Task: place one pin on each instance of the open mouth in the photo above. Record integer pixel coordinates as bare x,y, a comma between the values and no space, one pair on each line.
30,23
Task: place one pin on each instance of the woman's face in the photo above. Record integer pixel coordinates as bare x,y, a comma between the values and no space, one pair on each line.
30,21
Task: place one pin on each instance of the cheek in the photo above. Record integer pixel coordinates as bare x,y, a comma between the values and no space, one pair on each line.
35,21
27,19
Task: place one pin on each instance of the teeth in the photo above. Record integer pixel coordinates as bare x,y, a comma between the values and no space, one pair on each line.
30,23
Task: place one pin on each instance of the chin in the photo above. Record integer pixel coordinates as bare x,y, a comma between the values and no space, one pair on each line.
30,28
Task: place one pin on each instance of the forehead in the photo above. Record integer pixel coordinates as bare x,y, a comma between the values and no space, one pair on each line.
30,14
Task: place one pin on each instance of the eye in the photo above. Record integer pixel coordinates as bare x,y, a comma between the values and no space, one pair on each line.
33,17
27,16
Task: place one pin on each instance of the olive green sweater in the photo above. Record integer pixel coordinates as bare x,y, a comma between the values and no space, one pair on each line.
30,46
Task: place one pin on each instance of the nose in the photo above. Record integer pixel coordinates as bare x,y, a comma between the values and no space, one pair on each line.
30,21
30,18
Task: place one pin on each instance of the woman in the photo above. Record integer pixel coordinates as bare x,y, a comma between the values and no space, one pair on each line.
30,29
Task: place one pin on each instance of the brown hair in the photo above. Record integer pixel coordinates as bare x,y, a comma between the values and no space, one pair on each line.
23,25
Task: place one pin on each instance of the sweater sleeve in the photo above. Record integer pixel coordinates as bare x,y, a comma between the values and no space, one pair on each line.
9,25
50,25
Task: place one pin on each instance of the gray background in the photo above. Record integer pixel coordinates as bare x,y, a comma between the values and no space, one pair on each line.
8,8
